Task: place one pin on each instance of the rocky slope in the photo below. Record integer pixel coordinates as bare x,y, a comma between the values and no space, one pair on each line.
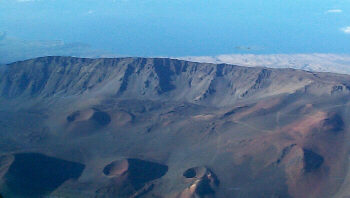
138,127
157,79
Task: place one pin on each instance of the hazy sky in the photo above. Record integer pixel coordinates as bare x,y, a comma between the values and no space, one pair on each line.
182,27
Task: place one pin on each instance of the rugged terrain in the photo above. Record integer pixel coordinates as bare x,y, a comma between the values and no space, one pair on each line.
143,127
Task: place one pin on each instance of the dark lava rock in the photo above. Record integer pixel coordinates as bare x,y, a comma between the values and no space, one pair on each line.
334,123
235,110
312,160
101,118
285,151
205,187
36,175
141,171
